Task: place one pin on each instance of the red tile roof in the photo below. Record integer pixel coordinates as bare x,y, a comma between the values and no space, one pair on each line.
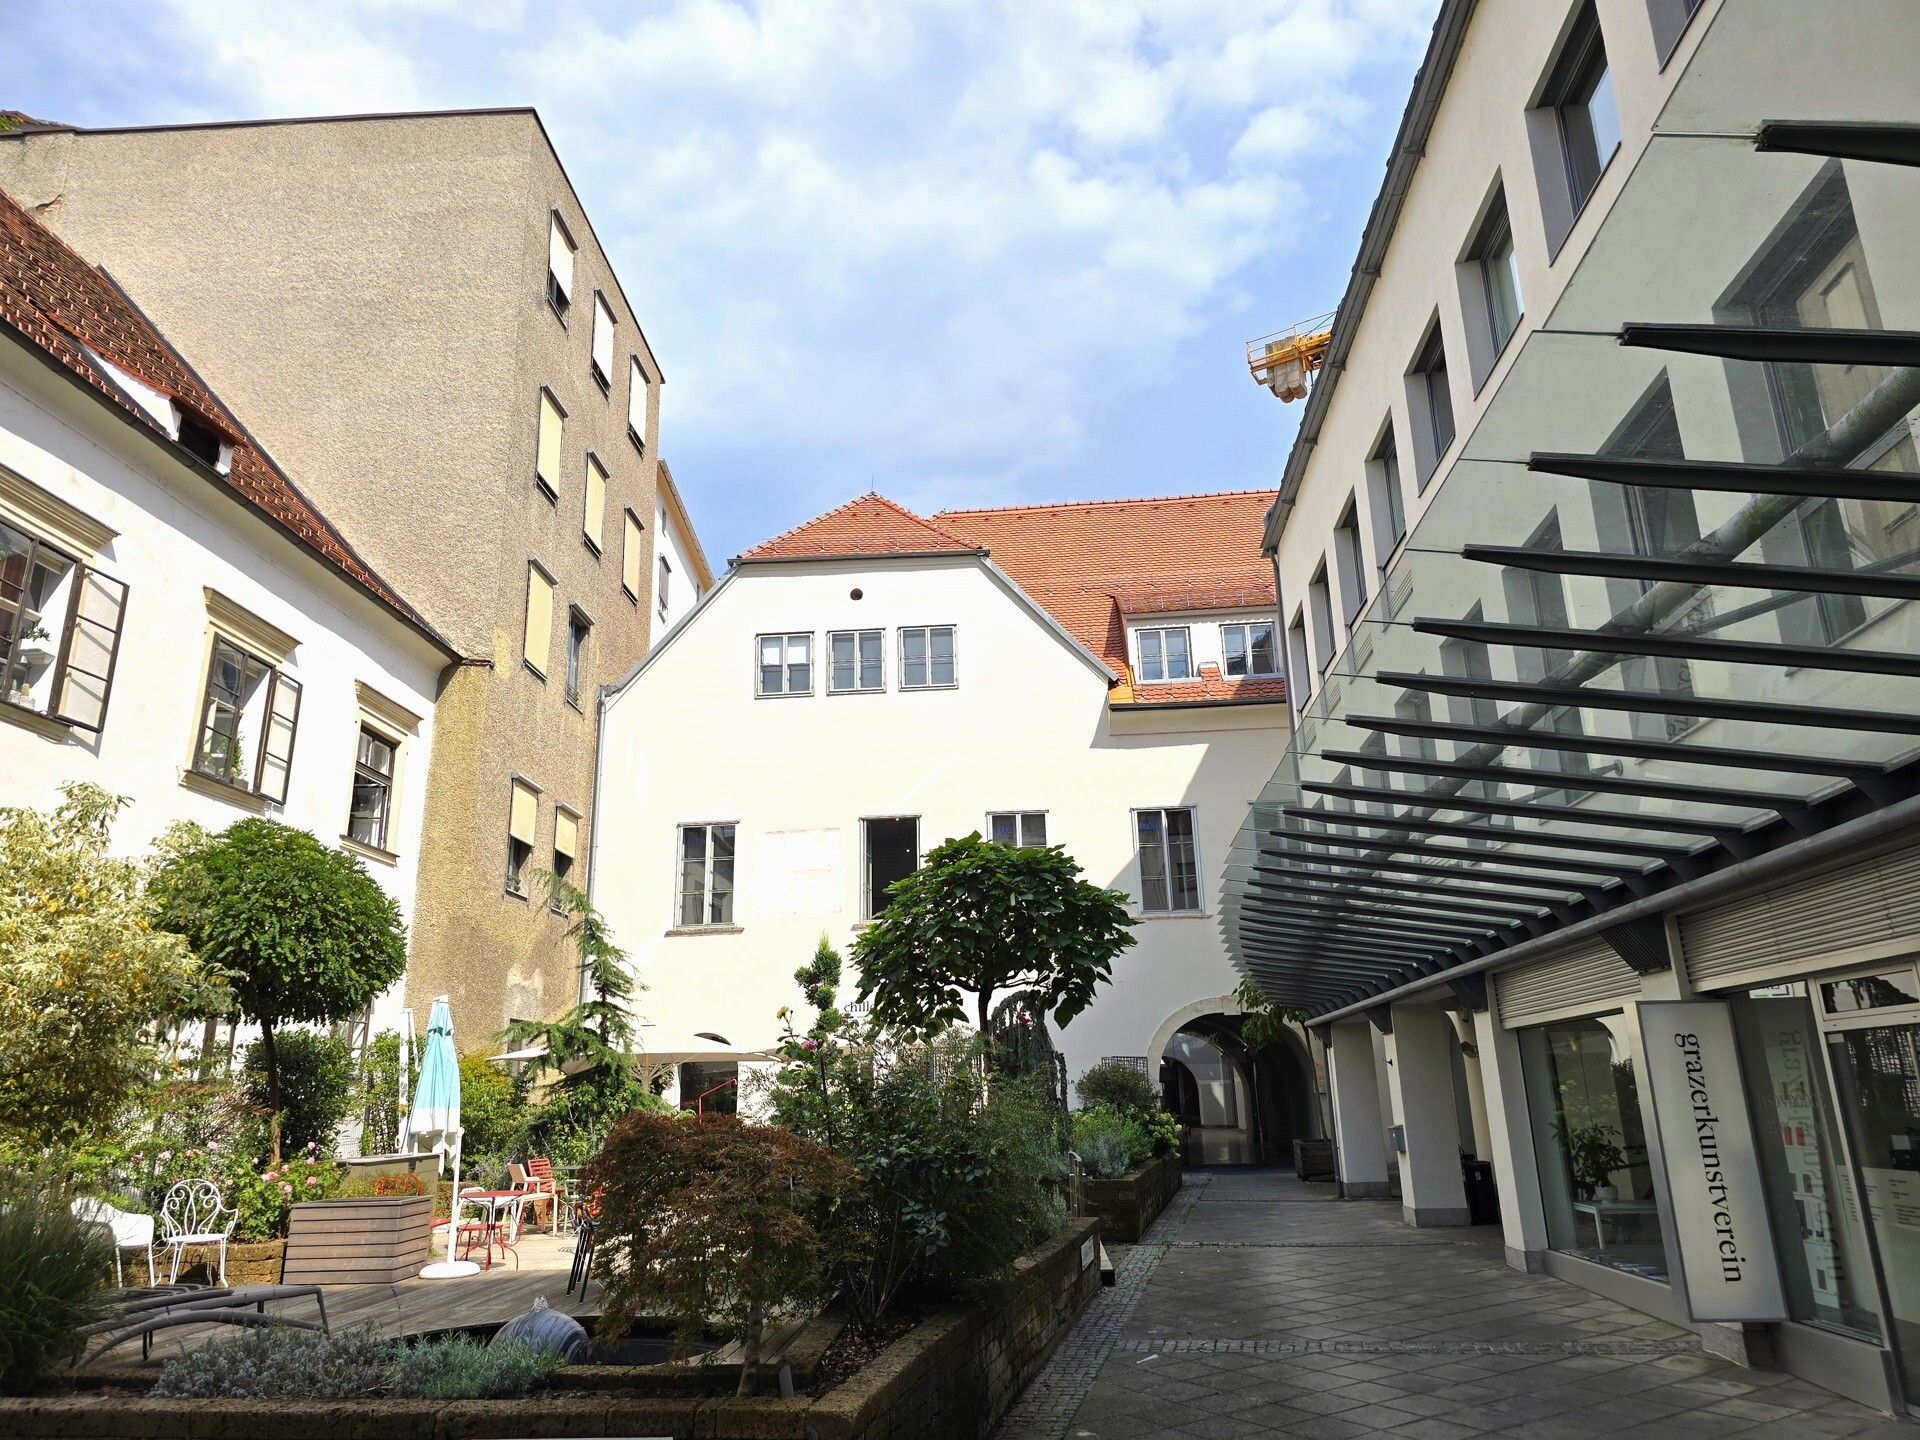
870,525
66,308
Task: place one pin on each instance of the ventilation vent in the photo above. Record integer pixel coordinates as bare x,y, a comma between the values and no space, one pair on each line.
1362,649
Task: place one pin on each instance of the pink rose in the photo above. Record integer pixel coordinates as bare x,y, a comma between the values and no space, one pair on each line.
271,1175
309,1160
165,1155
313,1179
286,1188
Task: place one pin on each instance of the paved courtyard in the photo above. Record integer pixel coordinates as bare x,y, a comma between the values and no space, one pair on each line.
1262,1306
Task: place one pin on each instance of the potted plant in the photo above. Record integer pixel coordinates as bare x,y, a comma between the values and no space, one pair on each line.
1592,1157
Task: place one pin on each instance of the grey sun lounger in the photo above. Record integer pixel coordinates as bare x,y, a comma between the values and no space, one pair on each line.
166,1307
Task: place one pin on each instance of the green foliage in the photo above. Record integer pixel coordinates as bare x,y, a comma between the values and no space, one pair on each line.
1021,1044
458,1367
316,1086
1592,1155
1110,1142
493,1108
52,1267
261,1191
377,1093
1118,1085
979,919
714,1221
303,931
1115,1092
282,1363
1163,1130
1262,1022
86,981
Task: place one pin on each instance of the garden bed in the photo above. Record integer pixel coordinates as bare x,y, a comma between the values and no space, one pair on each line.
951,1377
1128,1204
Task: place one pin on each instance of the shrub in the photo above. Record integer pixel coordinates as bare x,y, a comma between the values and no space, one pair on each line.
1110,1142
1118,1085
263,1193
493,1107
378,1094
282,1363
316,1086
1104,1155
457,1367
52,1267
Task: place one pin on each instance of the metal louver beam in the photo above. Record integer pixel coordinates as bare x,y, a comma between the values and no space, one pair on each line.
1510,835
1395,844
1738,573
1423,886
1416,903
1809,346
1842,140
1809,481
1577,814
1571,780
1675,645
1555,884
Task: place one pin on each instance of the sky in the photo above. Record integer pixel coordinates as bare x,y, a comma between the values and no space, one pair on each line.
962,252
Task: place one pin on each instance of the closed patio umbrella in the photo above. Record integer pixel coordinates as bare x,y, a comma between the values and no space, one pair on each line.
436,1108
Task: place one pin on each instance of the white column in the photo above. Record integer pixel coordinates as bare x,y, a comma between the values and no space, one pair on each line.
1431,1189
1516,1172
1360,1153
1476,1085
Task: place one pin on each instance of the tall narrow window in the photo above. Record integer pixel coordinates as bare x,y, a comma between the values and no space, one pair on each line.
1386,499
1018,827
372,789
786,664
706,875
1320,605
1299,663
662,586
1430,395
538,640
1169,871
631,555
1498,272
248,721
1165,653
593,519
893,853
560,248
602,364
546,462
1352,577
523,820
566,846
856,661
926,657
1248,649
637,404
1581,96
59,631
579,627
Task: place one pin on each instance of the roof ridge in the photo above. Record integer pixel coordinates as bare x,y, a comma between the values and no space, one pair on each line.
772,546
1124,500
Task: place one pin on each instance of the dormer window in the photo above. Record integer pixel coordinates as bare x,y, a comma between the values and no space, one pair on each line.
200,440
1165,654
1248,649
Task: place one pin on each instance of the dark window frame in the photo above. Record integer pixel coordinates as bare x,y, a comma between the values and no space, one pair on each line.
83,581
873,897
579,635
372,777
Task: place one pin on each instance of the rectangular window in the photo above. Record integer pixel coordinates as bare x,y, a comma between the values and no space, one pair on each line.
1352,576
1499,274
602,343
893,853
1320,606
1430,395
523,819
593,518
566,846
637,404
538,640
786,664
578,628
546,461
59,631
926,657
560,248
856,665
1165,654
1299,664
661,586
1581,97
372,789
1248,649
706,875
630,557
1018,827
1386,499
1169,871
248,721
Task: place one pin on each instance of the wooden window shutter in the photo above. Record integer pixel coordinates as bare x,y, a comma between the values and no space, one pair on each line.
525,814
603,339
566,834
559,257
594,521
630,558
546,465
539,635
276,754
89,650
637,400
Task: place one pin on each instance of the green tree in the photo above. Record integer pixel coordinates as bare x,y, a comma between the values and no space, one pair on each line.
303,930
978,919
316,1086
85,978
1263,1023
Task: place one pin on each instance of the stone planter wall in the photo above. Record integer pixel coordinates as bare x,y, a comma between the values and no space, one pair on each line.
256,1262
1126,1206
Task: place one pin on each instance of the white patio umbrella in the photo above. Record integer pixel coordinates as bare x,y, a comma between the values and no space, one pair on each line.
436,1108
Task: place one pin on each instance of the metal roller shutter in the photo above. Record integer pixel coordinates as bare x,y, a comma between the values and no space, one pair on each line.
1589,978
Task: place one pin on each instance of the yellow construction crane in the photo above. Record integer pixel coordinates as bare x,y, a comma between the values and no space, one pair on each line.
1283,360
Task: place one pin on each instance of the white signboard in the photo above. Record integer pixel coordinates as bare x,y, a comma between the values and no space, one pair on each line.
1713,1170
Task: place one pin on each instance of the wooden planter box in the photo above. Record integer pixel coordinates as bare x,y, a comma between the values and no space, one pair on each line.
1313,1159
1127,1205
358,1242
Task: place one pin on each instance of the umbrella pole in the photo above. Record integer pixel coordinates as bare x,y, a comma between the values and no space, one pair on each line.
448,1268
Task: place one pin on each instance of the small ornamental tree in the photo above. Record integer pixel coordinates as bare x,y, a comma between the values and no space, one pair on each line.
1262,1023
980,918
303,930
714,1222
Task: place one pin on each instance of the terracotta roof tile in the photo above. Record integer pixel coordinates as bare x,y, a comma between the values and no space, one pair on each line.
870,525
67,309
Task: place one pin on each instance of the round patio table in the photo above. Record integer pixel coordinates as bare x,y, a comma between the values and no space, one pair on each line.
494,1230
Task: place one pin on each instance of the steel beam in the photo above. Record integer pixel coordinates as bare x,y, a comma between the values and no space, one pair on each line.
1813,345
1676,646
1813,481
1740,574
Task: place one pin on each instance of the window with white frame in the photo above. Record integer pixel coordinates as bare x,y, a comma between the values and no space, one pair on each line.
59,631
1169,868
786,664
248,718
1248,649
926,657
602,363
560,251
1018,827
706,875
1165,653
854,662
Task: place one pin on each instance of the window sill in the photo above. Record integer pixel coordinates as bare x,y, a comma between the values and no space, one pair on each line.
639,441
558,313
224,790
1172,914
513,894
370,852
588,541
783,695
44,725
540,484
574,701
871,690
534,670
917,689
606,385
681,931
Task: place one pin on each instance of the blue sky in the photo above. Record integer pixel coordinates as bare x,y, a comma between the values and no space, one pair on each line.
965,252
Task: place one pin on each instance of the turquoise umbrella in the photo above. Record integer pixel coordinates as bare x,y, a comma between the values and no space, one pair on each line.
436,1108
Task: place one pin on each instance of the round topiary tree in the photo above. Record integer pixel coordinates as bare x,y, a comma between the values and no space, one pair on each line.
302,930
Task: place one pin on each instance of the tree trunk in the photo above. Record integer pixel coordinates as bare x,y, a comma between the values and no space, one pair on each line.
750,1348
270,1056
986,1039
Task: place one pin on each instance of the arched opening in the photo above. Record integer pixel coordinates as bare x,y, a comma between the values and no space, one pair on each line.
1242,1106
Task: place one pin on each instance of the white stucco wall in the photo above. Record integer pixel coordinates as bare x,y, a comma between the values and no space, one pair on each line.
1026,728
177,536
674,545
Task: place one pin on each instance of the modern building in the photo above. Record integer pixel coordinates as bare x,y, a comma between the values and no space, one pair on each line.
1096,676
178,623
415,317
1597,844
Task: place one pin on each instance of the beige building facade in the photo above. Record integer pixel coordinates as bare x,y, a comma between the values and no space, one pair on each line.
415,316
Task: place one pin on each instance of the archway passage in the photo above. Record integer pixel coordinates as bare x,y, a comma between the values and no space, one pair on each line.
1242,1106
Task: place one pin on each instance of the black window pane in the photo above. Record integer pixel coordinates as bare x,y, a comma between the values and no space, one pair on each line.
1265,661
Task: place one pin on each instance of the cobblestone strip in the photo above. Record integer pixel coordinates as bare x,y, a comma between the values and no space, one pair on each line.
1050,1401
1410,1347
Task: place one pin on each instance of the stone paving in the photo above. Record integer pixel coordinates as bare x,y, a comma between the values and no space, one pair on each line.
1258,1305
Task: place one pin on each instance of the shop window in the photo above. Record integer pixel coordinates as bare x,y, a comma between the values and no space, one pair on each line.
1596,1178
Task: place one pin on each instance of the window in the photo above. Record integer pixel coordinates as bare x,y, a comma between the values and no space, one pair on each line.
1670,19
1430,398
1496,272
856,662
546,460
59,631
1018,827
1351,571
560,248
786,664
661,586
706,875
602,365
578,628
1165,654
1248,649
630,557
372,789
926,657
539,635
1385,498
1320,606
248,720
566,845
1299,665
523,818
1169,872
893,853
637,405
1581,97
593,519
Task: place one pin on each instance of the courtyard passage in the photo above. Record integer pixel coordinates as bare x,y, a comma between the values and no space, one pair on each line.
1259,1305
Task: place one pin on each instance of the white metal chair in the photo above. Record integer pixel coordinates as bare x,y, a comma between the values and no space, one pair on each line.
191,1215
130,1232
